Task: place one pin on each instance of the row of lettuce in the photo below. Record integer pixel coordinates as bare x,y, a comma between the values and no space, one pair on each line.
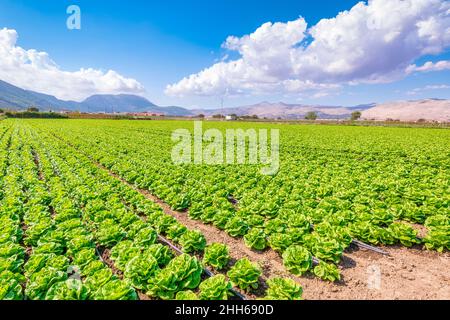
72,232
322,199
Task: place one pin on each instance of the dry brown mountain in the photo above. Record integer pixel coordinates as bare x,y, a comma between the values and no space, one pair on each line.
430,109
287,111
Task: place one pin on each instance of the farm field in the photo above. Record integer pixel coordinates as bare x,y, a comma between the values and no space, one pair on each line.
97,210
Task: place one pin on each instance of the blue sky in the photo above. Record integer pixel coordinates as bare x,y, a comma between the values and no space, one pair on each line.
158,43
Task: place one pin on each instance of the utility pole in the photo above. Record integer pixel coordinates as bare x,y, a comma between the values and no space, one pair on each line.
222,100
221,107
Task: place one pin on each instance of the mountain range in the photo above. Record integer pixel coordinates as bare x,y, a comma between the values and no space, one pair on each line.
288,111
15,98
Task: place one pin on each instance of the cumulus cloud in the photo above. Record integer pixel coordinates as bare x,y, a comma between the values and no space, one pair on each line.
373,42
34,70
429,66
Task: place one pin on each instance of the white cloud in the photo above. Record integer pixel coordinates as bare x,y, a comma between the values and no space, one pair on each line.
428,87
320,94
371,43
34,70
429,66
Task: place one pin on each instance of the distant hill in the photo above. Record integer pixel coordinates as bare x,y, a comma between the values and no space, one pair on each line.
117,103
128,103
362,107
430,110
13,97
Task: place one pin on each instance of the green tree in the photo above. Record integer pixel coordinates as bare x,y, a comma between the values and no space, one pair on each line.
311,115
356,115
33,109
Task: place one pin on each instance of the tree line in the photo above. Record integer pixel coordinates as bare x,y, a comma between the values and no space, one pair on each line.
33,112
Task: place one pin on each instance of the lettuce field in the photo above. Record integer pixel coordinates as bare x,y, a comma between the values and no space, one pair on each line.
97,210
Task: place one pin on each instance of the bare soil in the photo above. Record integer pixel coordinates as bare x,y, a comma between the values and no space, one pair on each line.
406,274
422,231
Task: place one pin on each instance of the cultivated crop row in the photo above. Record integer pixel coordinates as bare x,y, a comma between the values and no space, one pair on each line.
75,232
366,185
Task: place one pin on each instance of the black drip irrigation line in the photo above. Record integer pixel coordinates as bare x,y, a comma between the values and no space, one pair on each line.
369,247
363,245
100,255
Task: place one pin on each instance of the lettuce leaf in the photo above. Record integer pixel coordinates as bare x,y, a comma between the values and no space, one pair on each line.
256,239
297,260
245,274
217,255
283,289
70,289
327,271
215,288
192,241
